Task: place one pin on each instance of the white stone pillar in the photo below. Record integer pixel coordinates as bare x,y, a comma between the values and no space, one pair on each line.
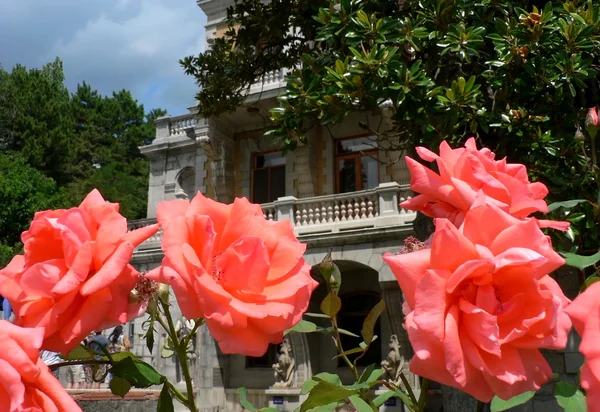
387,196
285,208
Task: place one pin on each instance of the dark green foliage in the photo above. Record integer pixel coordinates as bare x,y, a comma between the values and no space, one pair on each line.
518,75
59,146
24,190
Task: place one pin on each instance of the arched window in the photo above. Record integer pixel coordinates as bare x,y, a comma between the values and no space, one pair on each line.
355,308
186,183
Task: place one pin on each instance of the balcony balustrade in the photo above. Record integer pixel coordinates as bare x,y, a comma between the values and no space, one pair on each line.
332,214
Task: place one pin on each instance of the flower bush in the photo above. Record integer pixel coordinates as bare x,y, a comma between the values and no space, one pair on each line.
244,275
75,276
481,303
479,299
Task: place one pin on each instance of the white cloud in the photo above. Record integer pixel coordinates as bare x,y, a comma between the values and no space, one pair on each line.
111,44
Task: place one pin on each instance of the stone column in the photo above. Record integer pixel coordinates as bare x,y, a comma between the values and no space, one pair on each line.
217,139
285,208
306,168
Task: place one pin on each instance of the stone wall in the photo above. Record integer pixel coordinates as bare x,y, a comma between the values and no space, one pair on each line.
104,401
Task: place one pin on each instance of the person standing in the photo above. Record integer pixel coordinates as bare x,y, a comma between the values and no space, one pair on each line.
118,342
75,377
6,308
99,344
51,358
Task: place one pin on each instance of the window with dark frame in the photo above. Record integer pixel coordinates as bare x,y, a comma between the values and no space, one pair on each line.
268,177
356,165
265,361
355,308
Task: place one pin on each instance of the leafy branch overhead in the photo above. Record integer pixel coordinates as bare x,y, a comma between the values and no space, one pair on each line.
519,75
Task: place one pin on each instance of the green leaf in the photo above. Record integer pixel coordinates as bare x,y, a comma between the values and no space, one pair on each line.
347,333
568,204
329,270
403,396
79,353
340,67
569,397
502,405
590,281
374,376
383,398
360,404
149,336
370,320
165,400
244,399
325,393
119,356
119,386
349,352
331,305
316,315
366,373
138,373
325,376
303,326
580,262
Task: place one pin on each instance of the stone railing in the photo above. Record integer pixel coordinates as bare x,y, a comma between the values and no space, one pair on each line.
185,124
270,81
154,241
349,211
367,209
178,125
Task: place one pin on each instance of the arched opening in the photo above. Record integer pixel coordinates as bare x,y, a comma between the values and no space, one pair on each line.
186,183
355,308
359,292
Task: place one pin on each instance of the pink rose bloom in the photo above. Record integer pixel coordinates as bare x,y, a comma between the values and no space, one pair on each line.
481,304
243,274
585,314
466,171
74,276
26,383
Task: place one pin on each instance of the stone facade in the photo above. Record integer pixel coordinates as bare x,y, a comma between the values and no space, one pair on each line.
215,157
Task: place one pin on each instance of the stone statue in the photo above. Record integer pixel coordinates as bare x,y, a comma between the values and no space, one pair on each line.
284,368
393,364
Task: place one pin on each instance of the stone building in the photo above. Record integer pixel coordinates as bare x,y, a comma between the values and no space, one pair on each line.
340,193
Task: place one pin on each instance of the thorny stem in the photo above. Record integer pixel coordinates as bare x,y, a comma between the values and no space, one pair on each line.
180,396
181,351
594,164
340,349
408,388
423,394
78,362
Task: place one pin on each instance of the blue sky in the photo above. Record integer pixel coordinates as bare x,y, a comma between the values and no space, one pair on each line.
111,44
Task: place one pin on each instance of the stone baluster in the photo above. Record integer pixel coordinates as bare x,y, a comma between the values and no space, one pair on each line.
350,210
317,214
370,208
329,213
